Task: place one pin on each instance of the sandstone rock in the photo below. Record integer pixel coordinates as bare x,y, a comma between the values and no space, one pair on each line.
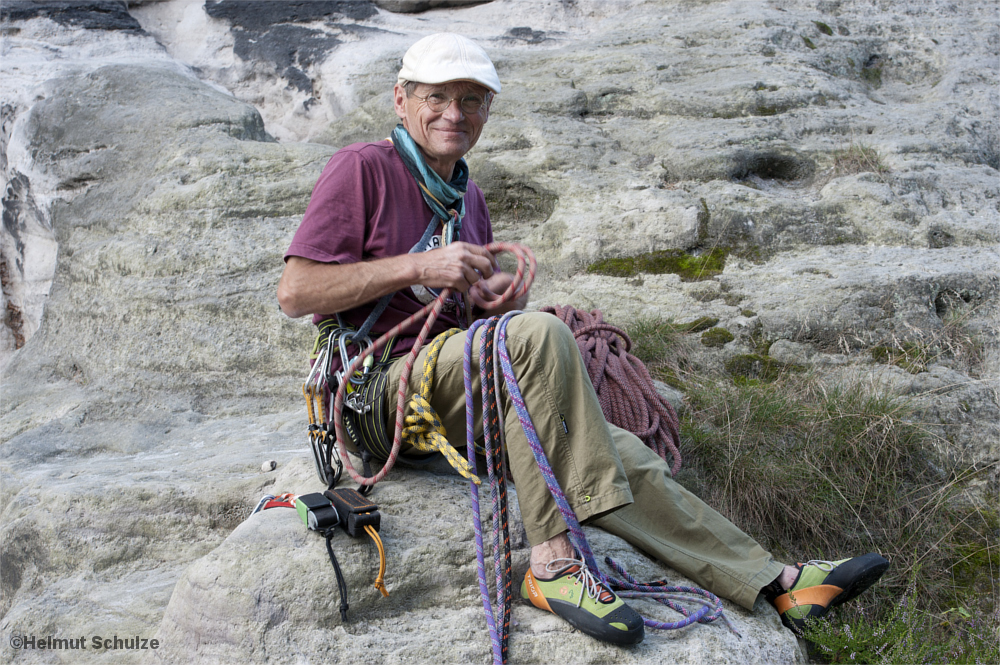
148,204
269,589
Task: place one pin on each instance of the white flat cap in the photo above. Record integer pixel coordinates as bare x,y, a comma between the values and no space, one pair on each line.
444,57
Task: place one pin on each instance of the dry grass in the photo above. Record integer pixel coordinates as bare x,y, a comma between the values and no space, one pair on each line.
859,158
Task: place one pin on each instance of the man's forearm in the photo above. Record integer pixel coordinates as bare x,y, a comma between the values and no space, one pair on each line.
311,287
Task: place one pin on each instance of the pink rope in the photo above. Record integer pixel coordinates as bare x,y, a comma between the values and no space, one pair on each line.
624,387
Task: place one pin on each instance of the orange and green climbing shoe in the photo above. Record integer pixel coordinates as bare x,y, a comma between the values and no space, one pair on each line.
588,605
821,585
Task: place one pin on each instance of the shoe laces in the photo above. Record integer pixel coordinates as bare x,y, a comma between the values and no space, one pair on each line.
595,588
825,566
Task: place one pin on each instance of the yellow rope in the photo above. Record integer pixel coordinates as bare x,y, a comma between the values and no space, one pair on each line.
380,579
424,430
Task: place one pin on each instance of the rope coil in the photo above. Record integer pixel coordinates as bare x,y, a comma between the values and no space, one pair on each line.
624,387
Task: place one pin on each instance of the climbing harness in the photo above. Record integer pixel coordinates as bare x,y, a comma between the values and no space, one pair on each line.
623,384
342,507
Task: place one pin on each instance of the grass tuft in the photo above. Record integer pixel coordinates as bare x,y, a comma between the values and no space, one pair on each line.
954,342
859,158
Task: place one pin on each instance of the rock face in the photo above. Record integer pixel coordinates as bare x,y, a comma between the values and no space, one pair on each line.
843,156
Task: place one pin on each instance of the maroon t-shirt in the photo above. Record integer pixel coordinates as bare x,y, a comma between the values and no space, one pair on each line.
366,205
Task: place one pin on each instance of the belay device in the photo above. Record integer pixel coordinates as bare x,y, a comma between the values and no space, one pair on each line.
343,507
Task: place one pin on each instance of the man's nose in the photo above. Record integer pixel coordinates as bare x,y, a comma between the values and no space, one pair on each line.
454,111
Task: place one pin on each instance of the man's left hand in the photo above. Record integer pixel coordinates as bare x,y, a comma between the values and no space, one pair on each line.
486,292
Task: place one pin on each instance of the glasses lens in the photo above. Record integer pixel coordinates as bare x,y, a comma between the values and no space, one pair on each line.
472,103
437,101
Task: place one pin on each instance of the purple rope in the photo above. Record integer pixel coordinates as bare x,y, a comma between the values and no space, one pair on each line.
498,484
470,438
630,589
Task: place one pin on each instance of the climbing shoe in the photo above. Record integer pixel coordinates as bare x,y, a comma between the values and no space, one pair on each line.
821,585
575,594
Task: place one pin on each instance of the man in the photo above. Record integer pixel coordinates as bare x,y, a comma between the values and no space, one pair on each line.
363,237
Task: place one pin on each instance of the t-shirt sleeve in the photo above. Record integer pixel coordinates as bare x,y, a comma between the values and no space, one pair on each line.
333,227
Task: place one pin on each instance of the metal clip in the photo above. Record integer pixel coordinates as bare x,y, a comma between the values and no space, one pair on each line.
364,344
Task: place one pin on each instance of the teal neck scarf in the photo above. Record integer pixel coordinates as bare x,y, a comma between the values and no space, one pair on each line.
445,199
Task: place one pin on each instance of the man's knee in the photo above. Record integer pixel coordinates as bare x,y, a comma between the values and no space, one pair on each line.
539,329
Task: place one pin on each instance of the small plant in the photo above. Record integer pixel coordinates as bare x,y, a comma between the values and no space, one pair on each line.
907,635
859,158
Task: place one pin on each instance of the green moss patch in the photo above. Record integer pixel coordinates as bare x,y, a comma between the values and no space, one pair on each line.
754,367
690,267
698,325
911,357
823,27
716,337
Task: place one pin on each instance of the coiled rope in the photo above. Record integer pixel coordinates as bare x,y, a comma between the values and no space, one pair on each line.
623,384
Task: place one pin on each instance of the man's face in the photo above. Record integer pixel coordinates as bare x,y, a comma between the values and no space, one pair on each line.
444,136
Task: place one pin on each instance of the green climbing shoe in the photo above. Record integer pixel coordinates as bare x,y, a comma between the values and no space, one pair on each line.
588,605
821,585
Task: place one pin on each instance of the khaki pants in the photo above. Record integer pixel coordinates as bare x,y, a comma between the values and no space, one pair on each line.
611,479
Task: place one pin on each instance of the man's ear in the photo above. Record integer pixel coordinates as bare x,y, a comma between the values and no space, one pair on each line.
399,101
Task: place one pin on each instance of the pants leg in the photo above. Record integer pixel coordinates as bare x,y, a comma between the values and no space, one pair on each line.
611,479
676,527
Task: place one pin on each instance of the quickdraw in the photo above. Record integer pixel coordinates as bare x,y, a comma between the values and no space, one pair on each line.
335,340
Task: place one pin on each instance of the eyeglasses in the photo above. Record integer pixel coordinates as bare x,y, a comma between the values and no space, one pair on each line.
470,102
